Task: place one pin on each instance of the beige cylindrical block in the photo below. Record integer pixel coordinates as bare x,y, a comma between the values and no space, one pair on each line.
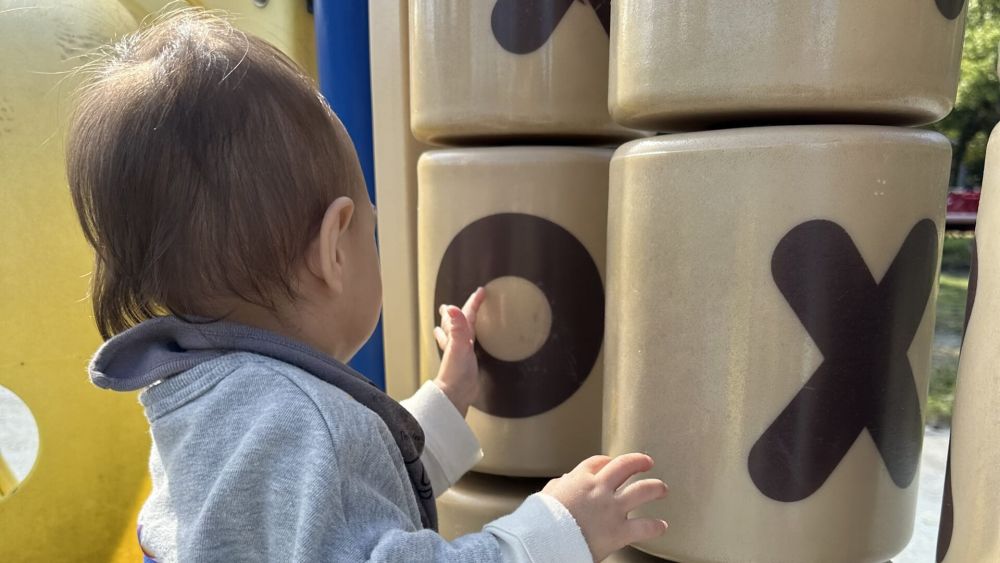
970,519
769,329
528,224
691,64
508,70
477,500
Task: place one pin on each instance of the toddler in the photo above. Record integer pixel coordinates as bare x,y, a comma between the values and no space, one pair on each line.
236,271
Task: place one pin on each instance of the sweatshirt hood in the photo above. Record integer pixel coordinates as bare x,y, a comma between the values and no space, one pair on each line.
159,348
154,350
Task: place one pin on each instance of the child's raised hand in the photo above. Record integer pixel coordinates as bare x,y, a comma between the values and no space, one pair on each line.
596,495
459,373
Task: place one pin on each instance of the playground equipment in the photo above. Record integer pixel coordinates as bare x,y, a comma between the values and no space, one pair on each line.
776,357
8,481
287,24
733,289
970,523
689,64
786,365
396,153
528,224
750,264
499,72
81,497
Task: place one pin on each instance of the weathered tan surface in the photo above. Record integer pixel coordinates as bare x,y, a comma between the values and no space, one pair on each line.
705,354
687,64
488,73
528,223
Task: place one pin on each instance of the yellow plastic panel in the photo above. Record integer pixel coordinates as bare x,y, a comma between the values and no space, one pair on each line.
142,8
7,479
80,500
287,24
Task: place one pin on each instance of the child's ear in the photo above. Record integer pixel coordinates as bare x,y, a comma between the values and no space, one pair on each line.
326,256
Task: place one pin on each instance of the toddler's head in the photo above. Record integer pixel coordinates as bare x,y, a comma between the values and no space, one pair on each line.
213,180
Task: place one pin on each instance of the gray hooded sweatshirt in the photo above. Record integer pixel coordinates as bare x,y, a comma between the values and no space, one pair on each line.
266,450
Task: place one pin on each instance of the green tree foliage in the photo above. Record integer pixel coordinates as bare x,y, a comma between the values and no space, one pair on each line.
977,108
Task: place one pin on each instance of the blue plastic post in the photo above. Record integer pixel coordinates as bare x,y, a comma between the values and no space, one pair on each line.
345,80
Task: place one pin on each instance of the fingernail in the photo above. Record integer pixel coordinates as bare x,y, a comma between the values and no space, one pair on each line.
454,312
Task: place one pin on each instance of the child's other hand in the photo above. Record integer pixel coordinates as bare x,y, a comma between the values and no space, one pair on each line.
596,495
459,373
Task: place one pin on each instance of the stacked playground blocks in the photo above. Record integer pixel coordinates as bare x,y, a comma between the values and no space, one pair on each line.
769,271
519,207
753,306
793,235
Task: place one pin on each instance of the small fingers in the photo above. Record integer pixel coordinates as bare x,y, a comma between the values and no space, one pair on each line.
443,314
621,468
593,464
458,328
441,337
644,529
639,493
471,307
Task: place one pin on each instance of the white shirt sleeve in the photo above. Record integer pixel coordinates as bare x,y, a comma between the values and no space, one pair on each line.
542,529
450,447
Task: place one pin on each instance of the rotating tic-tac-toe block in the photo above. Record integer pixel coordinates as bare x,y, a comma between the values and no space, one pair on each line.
691,64
970,516
770,319
528,224
510,69
477,500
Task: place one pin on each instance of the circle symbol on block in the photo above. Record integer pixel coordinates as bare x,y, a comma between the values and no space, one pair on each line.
950,8
516,321
545,254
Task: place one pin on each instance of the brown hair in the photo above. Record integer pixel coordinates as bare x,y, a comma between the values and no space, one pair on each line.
201,161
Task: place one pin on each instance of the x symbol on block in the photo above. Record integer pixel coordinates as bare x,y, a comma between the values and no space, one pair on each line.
523,26
864,329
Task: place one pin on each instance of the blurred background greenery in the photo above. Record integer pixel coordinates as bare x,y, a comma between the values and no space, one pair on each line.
952,291
977,111
977,108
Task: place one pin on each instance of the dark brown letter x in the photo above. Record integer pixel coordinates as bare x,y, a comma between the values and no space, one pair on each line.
864,330
523,26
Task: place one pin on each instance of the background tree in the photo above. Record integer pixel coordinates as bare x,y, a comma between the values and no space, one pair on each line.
977,108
